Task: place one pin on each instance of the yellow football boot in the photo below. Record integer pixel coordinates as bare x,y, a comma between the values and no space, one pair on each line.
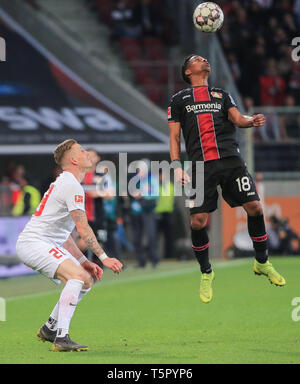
268,270
206,292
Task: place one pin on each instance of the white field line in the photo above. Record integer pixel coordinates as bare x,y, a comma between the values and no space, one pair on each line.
131,279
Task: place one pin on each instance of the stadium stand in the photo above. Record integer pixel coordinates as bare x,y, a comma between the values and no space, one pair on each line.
144,37
144,33
141,32
257,52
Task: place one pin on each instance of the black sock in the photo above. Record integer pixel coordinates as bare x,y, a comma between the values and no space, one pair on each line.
257,232
200,242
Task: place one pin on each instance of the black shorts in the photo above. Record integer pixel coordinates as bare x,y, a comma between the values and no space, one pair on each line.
236,183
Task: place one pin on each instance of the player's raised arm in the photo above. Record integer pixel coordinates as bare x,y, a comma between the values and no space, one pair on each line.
175,130
242,121
88,236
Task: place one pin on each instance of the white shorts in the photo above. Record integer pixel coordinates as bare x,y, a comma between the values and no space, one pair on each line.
42,256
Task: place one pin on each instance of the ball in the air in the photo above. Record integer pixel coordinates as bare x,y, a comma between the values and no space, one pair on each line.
208,17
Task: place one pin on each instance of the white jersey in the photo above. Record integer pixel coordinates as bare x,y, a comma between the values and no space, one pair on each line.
52,220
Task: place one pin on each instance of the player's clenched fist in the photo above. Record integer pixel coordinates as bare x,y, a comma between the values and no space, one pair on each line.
258,120
114,264
181,177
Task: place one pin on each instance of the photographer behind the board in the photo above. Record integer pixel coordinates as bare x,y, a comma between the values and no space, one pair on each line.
281,237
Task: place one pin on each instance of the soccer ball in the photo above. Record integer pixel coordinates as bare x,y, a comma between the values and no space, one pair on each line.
208,17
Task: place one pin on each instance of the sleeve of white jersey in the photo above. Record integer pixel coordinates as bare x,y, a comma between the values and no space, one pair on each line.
74,197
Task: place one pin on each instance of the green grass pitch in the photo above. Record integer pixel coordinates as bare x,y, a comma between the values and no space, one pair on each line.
157,317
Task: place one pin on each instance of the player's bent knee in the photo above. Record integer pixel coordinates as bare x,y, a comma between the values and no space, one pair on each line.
198,221
82,276
85,277
74,273
254,208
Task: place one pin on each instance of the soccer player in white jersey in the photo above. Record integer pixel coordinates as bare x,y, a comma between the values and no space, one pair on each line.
46,244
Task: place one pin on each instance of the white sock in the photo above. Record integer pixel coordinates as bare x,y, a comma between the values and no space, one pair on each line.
52,321
67,304
82,293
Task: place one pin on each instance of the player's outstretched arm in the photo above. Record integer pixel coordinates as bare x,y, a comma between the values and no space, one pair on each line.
88,236
242,121
181,177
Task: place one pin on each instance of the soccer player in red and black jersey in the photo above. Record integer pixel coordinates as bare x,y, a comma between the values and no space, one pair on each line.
208,118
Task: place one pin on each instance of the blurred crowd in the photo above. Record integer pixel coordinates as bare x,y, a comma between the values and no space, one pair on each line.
18,194
140,224
281,125
256,38
136,18
257,41
142,32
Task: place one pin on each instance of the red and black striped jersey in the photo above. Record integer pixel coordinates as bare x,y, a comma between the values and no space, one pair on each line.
203,116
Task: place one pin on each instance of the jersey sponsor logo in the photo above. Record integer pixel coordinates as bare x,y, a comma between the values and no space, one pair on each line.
169,113
218,95
205,122
203,107
78,199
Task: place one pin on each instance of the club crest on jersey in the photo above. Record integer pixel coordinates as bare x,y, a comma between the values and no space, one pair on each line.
169,113
78,199
218,95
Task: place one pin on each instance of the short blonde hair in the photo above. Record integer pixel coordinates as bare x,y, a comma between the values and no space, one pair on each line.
61,149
